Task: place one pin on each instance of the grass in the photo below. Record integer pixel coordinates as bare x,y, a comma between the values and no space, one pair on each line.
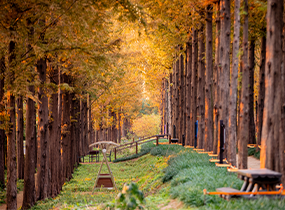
168,172
77,193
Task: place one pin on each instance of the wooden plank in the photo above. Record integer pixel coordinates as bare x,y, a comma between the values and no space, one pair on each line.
227,189
259,173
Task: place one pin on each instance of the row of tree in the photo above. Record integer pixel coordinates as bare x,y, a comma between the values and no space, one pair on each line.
211,81
56,60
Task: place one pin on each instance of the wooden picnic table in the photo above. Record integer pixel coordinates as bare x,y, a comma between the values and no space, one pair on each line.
254,179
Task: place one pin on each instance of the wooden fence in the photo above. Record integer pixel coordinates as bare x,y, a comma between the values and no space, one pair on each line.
140,142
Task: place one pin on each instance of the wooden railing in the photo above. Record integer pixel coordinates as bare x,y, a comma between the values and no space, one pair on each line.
140,142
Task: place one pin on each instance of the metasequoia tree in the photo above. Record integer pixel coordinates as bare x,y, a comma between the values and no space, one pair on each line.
188,91
20,138
233,89
244,106
216,84
193,114
271,141
224,75
201,89
208,145
261,91
11,133
2,131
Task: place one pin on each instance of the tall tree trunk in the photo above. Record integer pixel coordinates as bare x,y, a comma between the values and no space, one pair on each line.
43,143
29,194
209,78
225,65
77,129
60,115
193,114
86,148
30,163
53,134
65,132
119,125
20,138
171,103
177,99
282,121
188,91
269,157
233,91
162,108
181,97
244,108
201,88
216,85
166,105
261,91
11,135
2,132
72,135
251,139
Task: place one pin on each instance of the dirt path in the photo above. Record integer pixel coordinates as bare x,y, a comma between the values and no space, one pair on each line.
252,162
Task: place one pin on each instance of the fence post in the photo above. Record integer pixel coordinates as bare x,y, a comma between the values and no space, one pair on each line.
115,153
222,140
136,147
169,139
156,140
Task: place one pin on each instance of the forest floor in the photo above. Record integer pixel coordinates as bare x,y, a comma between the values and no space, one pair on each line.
177,184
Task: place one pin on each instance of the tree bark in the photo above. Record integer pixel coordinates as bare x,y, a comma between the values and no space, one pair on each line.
269,157
188,92
181,97
11,135
244,107
177,99
29,195
77,129
261,90
2,132
119,125
201,88
53,134
233,90
193,114
171,103
20,138
209,78
225,65
43,143
65,132
251,139
216,84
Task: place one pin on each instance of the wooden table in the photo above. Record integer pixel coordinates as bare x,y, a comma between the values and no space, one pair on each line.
254,180
259,179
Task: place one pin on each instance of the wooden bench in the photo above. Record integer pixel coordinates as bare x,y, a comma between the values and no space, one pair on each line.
94,154
174,140
228,190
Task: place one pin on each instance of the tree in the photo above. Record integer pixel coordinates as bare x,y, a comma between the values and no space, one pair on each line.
270,139
2,131
209,85
233,89
20,138
244,106
188,91
11,133
224,75
201,88
216,75
261,91
193,114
